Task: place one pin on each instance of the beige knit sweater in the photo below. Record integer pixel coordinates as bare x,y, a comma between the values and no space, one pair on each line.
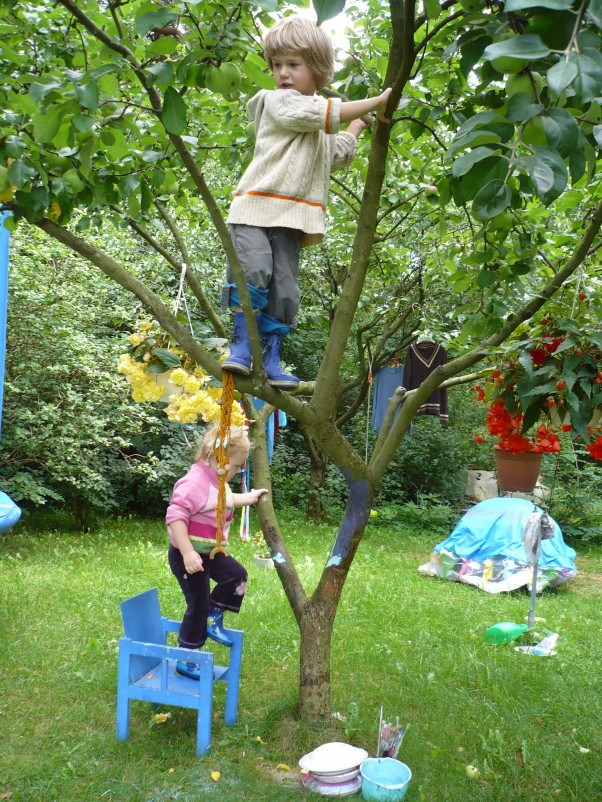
298,144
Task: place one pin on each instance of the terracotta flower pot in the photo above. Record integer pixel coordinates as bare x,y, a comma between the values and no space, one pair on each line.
517,472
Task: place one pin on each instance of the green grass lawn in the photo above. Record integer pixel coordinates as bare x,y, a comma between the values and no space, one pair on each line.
412,644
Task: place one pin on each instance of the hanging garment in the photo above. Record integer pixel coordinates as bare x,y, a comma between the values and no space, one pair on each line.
421,361
386,381
274,423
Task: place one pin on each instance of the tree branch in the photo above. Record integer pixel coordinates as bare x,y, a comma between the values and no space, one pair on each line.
385,448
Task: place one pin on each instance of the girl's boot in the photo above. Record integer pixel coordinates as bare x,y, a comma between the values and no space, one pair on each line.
214,627
192,670
239,359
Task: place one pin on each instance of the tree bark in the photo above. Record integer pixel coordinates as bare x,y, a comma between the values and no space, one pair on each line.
315,628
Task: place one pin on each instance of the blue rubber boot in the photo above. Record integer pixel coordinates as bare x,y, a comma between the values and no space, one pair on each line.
239,359
214,627
192,670
271,362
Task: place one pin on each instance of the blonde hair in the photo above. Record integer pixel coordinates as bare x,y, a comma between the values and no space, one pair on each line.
238,441
303,37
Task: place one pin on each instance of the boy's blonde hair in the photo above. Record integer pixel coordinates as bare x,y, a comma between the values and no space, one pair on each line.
304,37
238,440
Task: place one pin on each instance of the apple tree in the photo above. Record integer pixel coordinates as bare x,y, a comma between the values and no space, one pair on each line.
130,113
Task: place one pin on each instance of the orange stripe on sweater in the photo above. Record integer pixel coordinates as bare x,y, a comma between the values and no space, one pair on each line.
281,197
328,107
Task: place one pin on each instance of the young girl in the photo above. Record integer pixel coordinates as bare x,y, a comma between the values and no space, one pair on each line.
279,204
192,526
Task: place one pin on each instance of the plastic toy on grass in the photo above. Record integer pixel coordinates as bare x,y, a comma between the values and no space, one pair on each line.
505,632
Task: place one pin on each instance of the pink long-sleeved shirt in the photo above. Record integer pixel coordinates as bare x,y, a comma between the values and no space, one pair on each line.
194,500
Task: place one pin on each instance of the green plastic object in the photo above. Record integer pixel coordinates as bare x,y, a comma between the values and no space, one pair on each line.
505,632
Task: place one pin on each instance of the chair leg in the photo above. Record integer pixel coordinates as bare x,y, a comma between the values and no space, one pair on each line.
123,700
203,732
231,711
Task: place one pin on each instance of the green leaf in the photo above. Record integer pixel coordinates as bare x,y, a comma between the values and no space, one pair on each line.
588,83
174,112
432,8
480,120
555,5
128,184
146,196
15,146
520,268
19,173
555,162
46,125
87,96
327,9
164,46
161,73
597,132
38,91
83,123
103,69
486,278
154,19
562,131
491,200
539,172
257,74
167,358
471,141
561,75
594,12
522,107
472,51
529,47
494,168
464,163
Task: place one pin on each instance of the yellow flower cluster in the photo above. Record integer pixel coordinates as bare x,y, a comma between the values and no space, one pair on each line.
191,403
191,399
145,388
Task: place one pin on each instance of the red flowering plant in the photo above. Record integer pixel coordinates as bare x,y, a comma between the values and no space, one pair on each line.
547,383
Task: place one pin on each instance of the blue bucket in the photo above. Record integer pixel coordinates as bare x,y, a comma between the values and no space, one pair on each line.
384,779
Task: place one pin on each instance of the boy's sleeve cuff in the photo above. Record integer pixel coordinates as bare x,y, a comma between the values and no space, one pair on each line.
332,122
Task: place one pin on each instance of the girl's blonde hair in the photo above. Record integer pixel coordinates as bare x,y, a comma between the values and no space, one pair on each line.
238,440
304,37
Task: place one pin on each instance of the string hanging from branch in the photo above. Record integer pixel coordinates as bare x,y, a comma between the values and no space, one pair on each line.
222,456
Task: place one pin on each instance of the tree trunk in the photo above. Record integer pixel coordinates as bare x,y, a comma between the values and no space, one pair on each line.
317,478
315,628
317,618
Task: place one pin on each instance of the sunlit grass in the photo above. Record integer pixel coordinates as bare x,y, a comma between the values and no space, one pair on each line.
412,644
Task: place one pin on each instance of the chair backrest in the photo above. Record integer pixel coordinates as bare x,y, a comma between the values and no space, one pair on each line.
141,616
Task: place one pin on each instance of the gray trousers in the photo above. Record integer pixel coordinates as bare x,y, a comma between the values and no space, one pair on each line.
269,258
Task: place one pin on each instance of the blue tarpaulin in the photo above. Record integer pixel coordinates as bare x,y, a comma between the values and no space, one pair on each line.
486,549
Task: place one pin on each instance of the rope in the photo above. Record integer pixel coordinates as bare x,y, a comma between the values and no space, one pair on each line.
222,455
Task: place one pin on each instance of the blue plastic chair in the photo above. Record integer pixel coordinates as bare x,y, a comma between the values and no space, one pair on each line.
147,669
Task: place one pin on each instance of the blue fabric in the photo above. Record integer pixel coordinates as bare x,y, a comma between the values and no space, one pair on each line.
269,427
386,381
9,512
259,298
496,527
266,324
